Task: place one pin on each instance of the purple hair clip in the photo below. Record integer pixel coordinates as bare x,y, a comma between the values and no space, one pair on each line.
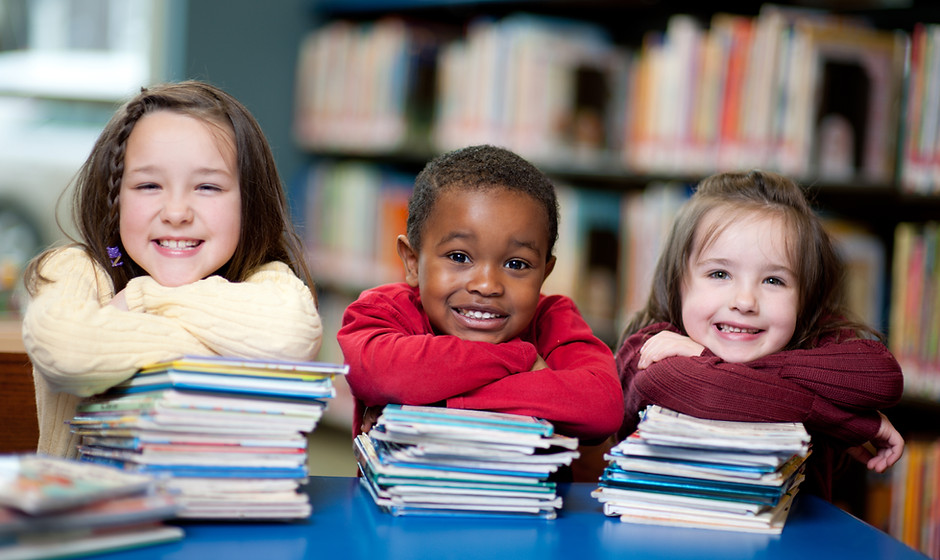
114,253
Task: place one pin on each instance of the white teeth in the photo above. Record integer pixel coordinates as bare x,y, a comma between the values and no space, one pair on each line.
173,244
478,314
730,329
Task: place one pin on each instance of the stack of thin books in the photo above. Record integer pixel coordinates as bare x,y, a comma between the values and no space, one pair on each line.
226,436
684,471
421,460
52,507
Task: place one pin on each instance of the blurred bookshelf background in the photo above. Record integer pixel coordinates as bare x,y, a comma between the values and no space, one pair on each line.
624,103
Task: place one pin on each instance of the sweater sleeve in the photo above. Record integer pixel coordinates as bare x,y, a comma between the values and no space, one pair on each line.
578,392
394,357
270,315
79,343
708,387
852,373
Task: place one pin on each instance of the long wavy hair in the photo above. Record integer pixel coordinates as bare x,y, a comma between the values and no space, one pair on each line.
267,233
819,270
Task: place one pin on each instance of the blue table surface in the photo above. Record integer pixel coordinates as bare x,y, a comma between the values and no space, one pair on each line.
346,524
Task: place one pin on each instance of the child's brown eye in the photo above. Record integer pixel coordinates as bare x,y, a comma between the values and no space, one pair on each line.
459,257
517,264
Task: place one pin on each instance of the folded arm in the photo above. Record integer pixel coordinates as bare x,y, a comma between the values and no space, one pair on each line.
578,391
270,315
394,359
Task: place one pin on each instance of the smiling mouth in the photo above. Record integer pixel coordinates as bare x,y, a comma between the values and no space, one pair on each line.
177,244
737,330
482,315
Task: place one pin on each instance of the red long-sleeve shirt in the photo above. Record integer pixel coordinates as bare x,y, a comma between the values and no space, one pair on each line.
395,357
835,389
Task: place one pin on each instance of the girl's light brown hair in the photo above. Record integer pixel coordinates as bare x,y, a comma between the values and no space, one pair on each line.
819,270
267,233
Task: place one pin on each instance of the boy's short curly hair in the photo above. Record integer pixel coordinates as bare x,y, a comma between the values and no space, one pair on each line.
479,168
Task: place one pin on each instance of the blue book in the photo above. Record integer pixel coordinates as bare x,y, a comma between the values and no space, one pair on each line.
471,419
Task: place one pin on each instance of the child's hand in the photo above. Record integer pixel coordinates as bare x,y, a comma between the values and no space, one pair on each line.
119,301
370,417
667,344
883,450
539,363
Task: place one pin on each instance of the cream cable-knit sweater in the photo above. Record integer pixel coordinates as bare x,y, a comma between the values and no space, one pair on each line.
79,345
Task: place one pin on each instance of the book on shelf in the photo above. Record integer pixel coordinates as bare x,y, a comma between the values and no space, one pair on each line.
800,91
865,259
588,242
355,212
366,87
681,470
420,460
227,436
53,507
646,216
904,501
920,136
914,329
538,85
769,92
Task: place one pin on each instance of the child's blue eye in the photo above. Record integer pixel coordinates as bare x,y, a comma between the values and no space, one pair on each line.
517,264
459,257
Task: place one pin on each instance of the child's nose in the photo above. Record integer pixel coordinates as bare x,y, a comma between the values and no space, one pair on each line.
177,210
745,300
485,281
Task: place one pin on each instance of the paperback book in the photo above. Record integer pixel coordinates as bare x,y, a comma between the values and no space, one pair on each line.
54,507
450,462
228,437
686,471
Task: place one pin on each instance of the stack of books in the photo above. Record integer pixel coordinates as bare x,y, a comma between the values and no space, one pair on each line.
680,470
52,507
420,460
227,436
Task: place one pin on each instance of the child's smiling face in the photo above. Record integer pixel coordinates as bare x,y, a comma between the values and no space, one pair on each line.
180,202
740,297
481,264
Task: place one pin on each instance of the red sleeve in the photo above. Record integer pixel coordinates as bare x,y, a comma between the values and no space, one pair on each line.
784,388
579,391
394,357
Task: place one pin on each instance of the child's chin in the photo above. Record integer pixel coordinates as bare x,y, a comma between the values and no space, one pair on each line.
487,336
174,280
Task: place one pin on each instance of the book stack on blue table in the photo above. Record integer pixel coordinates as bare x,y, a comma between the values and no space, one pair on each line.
53,507
449,462
684,471
227,436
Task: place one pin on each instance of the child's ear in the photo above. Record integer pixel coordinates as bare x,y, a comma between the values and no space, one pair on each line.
409,257
549,267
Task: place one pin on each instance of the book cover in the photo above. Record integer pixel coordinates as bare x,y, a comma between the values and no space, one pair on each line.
37,485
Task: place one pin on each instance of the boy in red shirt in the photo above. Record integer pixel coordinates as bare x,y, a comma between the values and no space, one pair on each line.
469,327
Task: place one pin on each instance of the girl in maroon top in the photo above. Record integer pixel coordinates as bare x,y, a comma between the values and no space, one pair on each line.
745,322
